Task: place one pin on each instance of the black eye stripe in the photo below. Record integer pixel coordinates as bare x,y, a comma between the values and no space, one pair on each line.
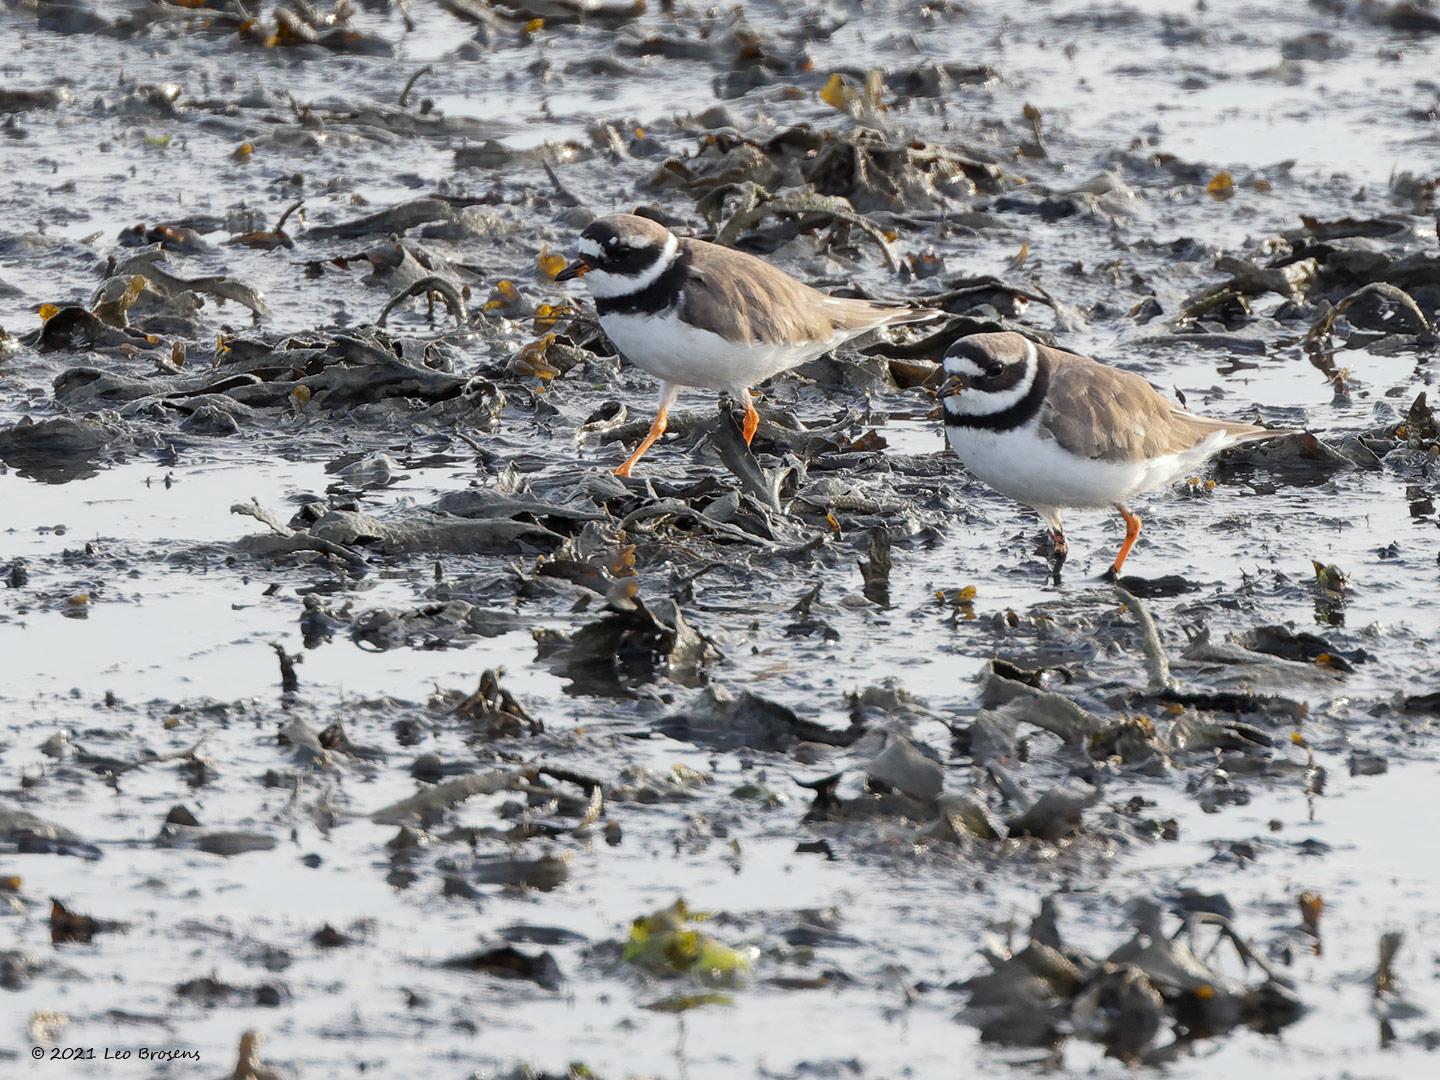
623,260
613,248
989,365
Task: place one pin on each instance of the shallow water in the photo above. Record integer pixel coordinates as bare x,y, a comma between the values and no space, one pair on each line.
177,628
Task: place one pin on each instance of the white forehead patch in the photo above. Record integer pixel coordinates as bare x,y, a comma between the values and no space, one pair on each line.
959,364
589,247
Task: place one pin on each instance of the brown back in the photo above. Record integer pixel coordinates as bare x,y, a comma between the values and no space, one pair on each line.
747,300
1101,412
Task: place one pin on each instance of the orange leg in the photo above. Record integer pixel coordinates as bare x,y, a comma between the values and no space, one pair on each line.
656,430
668,394
1132,533
752,421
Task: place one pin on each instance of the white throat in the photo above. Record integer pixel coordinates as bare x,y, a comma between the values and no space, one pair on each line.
606,286
974,402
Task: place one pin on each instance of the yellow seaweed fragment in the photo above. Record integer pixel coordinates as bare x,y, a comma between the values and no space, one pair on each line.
549,264
963,595
840,95
668,942
547,315
505,294
960,602
1222,185
836,94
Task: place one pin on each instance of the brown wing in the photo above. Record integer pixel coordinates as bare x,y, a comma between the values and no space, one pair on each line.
1096,411
747,300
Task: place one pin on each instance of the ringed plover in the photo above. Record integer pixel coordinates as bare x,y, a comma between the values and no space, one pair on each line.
697,314
1055,430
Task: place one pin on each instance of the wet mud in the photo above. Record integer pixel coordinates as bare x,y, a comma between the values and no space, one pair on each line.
356,720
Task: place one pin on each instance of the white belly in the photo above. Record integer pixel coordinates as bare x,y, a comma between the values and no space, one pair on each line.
677,352
1037,472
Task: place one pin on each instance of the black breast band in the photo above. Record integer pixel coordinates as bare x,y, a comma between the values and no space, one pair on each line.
660,294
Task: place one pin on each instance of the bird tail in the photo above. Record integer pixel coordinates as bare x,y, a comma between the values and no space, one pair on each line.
1234,431
862,315
901,316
